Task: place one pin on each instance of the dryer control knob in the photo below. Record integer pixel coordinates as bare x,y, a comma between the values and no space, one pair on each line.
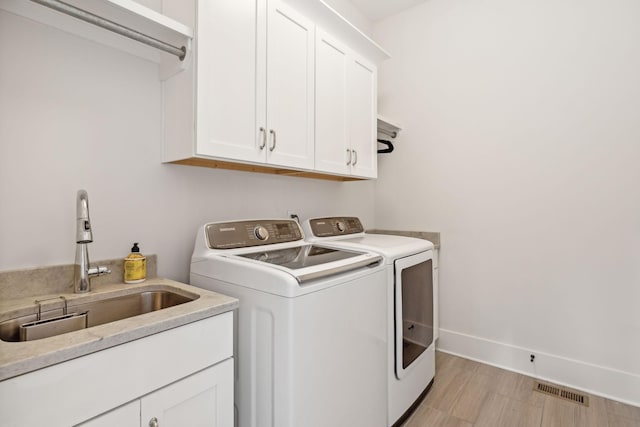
261,233
340,226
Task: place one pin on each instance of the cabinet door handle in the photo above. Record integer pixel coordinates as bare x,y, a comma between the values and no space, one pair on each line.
273,140
153,422
355,157
263,135
349,154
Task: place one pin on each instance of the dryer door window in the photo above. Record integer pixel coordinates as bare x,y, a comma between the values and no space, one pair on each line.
413,309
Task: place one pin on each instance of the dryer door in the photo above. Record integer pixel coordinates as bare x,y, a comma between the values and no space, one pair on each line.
413,309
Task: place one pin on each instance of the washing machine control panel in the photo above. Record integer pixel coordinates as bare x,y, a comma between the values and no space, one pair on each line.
244,234
335,226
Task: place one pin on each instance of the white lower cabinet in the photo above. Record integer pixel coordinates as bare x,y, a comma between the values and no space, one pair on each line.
202,399
125,416
181,377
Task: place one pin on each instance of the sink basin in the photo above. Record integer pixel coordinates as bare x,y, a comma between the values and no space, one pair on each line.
98,312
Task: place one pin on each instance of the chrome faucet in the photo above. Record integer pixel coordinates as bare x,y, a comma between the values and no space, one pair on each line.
82,272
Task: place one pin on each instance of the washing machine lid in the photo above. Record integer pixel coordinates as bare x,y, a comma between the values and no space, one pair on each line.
348,233
302,256
261,245
309,262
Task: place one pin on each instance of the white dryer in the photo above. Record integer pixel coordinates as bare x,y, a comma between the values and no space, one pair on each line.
410,300
311,329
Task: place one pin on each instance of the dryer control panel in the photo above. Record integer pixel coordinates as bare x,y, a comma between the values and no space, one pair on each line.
244,234
335,226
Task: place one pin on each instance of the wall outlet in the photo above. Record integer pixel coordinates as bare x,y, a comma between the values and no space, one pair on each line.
532,358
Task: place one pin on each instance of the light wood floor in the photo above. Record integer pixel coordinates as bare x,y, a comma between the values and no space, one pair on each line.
470,394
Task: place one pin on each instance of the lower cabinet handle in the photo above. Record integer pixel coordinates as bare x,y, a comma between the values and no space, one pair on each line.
263,134
153,422
273,140
349,153
355,157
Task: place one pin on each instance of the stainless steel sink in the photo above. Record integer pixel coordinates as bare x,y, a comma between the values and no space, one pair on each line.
97,313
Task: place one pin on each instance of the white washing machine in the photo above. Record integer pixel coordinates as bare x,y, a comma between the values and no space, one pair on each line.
311,329
410,296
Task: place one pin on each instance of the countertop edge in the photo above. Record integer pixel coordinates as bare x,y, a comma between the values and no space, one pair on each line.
18,358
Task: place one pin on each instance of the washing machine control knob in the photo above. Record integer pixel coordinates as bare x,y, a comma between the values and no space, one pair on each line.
340,226
261,232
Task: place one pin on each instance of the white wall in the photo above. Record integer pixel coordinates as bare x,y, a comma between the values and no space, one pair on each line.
351,13
75,114
522,147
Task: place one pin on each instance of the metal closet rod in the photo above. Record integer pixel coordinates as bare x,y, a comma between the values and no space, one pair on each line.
390,133
91,18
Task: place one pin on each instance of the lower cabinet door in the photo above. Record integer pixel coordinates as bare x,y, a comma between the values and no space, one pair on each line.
125,416
202,399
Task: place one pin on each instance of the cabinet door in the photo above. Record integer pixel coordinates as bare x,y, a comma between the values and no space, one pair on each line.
290,84
227,87
203,399
332,149
125,416
362,113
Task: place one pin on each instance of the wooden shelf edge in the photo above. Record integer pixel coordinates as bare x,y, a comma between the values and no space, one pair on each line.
273,170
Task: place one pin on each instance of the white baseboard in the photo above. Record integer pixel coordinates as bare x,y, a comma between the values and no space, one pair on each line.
598,380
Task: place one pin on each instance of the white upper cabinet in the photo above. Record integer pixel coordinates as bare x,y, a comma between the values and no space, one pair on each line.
362,103
273,92
345,110
333,151
290,83
252,88
227,92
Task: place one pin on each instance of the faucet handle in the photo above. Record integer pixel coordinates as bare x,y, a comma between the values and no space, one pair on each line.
98,271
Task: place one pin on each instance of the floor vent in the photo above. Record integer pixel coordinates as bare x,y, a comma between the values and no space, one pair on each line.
561,393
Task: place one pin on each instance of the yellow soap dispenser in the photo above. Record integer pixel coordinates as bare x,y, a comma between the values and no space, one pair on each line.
135,266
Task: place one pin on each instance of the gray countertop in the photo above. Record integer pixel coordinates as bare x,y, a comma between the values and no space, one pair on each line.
17,358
